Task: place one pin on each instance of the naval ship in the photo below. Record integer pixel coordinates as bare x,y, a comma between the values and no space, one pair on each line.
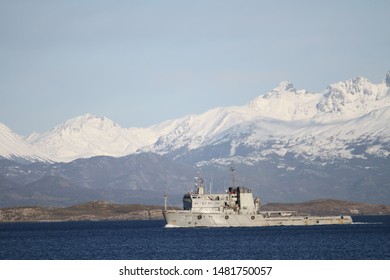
236,208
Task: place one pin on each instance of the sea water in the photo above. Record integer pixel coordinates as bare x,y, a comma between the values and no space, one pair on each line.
368,238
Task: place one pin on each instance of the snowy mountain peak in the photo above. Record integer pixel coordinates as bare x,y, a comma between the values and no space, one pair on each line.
355,86
286,103
388,79
283,87
353,97
89,135
88,120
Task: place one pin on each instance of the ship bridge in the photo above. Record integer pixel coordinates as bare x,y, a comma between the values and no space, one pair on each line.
239,200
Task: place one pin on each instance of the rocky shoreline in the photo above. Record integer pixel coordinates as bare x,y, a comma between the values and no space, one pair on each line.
101,210
330,207
91,211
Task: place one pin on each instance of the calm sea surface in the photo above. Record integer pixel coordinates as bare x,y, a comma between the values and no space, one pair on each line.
367,238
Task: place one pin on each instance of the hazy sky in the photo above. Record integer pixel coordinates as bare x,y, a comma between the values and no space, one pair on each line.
143,62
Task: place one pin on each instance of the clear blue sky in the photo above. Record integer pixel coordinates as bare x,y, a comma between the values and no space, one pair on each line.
143,62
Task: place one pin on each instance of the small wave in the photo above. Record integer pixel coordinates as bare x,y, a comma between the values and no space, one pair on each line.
367,223
171,226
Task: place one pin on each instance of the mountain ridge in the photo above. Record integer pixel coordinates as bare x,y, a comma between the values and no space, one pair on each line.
14,147
284,115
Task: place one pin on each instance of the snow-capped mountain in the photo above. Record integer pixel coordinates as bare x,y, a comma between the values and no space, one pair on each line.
338,122
288,145
15,147
87,136
348,119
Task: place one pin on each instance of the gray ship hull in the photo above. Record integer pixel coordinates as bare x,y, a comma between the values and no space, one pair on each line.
183,218
236,208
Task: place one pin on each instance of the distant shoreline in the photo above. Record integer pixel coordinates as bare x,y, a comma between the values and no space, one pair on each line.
106,211
91,211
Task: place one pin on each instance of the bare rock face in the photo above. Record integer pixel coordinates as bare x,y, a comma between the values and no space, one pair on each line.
24,214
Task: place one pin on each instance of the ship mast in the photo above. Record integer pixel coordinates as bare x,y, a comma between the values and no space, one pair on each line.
233,169
211,184
165,198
